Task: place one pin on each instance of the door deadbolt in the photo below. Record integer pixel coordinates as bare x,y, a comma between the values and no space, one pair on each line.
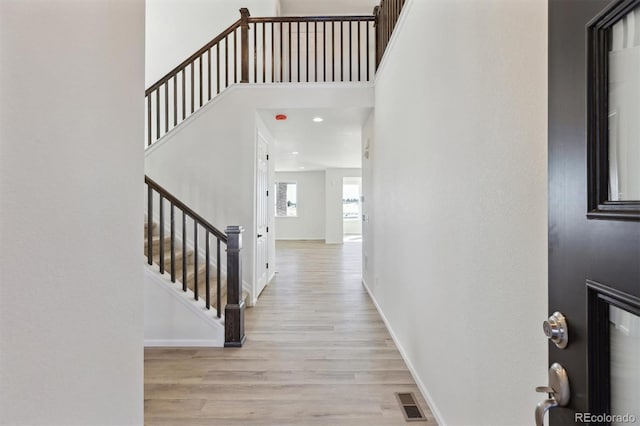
555,328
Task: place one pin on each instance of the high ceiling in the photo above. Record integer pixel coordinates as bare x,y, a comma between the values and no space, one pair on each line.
327,7
304,145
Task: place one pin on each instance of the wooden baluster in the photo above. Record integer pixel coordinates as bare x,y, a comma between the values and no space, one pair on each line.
307,50
367,49
149,225
244,36
255,52
359,53
218,282
226,62
209,74
149,121
175,100
166,107
290,64
193,95
315,51
184,251
184,93
234,311
173,244
264,53
281,55
161,226
200,70
195,258
342,51
333,51
350,51
207,284
235,56
158,113
218,68
273,54
324,50
298,55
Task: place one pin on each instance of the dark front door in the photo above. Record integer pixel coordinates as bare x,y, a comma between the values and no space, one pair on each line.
594,212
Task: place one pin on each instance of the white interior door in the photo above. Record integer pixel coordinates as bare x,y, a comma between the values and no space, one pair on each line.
262,213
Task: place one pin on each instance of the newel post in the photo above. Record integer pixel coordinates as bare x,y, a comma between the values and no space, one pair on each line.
244,38
376,25
234,311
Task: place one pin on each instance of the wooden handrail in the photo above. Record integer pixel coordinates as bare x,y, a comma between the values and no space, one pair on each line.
336,18
192,58
182,206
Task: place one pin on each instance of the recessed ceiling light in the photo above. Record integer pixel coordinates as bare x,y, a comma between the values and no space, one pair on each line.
318,119
302,167
295,153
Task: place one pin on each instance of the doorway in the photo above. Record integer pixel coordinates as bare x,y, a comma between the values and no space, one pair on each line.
352,209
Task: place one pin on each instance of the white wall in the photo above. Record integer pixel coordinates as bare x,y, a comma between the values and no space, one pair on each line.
173,318
71,212
208,161
368,184
457,204
334,233
310,222
175,29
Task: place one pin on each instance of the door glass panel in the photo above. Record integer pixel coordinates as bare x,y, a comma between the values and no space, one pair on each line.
624,108
624,332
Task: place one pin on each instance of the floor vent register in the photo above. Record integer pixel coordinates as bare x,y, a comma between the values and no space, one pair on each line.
410,408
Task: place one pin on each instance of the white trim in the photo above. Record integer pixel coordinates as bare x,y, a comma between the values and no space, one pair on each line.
181,343
423,389
186,297
299,239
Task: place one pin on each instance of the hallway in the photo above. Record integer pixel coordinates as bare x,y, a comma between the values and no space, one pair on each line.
317,353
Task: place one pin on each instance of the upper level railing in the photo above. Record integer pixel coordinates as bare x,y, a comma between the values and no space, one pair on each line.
386,17
271,50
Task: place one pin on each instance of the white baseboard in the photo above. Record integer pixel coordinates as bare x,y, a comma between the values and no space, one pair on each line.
181,343
299,239
403,353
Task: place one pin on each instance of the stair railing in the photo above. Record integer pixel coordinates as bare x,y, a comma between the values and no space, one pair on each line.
386,17
232,238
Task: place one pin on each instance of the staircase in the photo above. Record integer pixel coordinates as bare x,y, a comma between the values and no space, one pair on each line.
316,49
180,261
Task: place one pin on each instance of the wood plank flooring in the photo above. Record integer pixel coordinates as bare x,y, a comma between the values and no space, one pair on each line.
317,353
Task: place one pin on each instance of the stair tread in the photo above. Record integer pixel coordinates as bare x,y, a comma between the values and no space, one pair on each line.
190,273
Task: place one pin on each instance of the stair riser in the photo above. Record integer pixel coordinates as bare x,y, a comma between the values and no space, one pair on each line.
154,231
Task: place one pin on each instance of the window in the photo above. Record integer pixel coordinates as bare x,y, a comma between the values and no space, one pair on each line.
286,199
351,201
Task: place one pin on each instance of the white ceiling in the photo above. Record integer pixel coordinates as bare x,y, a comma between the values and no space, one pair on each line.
333,143
327,7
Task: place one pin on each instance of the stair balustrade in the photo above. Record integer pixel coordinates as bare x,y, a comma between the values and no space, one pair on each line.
386,17
202,233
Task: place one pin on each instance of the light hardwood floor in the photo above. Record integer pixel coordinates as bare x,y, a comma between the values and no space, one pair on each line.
317,353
